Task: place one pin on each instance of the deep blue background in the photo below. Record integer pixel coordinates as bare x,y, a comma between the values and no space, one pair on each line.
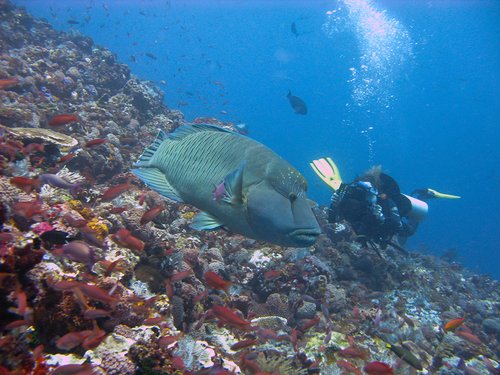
439,130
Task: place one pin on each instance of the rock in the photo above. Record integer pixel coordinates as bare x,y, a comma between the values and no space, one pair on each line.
492,325
306,311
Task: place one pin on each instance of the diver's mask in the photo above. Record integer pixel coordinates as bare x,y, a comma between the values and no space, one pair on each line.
369,190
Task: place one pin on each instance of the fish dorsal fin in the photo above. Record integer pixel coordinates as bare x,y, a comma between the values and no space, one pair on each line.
205,221
180,133
156,180
145,158
186,130
233,184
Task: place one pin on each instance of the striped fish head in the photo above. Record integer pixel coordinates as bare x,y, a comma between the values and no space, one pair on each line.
279,212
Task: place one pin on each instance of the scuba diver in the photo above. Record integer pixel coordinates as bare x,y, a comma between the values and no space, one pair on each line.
374,205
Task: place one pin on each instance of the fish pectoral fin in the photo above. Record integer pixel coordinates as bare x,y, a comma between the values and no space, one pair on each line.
233,185
205,221
156,180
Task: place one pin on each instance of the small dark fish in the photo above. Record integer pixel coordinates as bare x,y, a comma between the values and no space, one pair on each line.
298,105
73,22
151,56
293,29
77,251
406,356
55,237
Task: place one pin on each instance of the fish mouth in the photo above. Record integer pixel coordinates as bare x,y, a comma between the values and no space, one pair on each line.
304,237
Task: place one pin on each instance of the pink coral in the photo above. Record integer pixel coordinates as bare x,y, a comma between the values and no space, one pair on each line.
42,227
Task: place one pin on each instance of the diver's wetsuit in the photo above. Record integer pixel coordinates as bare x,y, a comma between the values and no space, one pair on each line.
372,217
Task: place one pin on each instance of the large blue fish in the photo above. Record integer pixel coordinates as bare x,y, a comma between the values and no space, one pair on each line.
237,182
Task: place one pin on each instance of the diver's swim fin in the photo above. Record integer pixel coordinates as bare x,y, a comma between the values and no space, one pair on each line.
437,194
326,169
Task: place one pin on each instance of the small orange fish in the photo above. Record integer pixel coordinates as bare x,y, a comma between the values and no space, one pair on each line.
95,142
378,368
109,267
308,323
63,119
149,215
25,184
117,210
66,158
72,340
63,284
353,352
214,281
8,82
155,320
272,274
16,324
227,316
294,338
349,367
96,313
126,239
114,191
95,293
169,289
178,276
469,337
94,339
165,341
244,344
453,324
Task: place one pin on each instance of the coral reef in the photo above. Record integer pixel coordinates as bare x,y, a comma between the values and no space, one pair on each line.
86,282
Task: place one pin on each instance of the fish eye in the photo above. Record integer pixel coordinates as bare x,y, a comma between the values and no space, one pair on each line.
292,197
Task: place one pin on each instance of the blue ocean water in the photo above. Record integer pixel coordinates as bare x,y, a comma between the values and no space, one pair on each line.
413,86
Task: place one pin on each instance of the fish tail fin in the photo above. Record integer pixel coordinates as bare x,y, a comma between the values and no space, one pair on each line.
147,155
289,93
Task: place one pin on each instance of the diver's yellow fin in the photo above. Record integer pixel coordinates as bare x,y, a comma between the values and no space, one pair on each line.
437,194
326,169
